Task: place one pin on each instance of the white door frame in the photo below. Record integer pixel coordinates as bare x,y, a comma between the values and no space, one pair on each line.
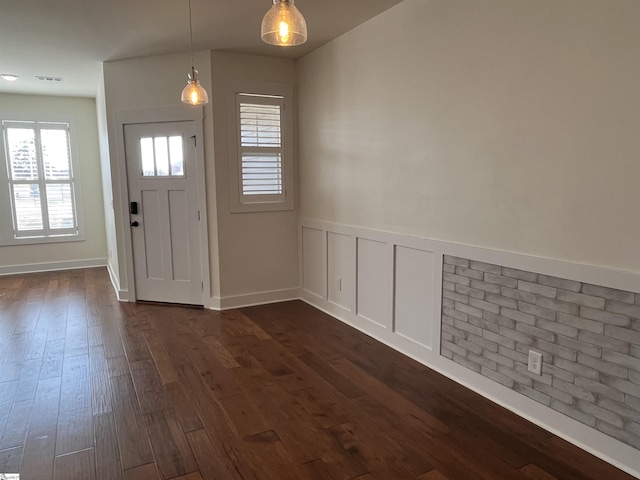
159,115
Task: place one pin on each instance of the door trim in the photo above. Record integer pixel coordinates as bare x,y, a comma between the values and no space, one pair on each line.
160,115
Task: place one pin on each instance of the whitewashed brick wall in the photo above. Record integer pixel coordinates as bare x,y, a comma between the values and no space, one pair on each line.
589,337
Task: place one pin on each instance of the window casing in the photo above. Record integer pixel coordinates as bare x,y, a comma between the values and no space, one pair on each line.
260,142
39,184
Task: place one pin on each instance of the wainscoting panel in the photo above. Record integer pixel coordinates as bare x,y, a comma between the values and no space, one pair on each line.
314,268
473,313
373,278
414,272
341,255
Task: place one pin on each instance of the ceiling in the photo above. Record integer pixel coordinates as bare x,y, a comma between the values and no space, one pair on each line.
70,38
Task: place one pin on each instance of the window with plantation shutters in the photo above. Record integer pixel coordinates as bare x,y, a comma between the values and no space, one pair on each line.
40,179
260,145
262,179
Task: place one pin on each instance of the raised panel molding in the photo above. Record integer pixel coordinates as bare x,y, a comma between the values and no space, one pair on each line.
414,281
314,262
398,300
373,278
341,274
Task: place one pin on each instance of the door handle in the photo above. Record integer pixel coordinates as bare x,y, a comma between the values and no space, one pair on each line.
134,223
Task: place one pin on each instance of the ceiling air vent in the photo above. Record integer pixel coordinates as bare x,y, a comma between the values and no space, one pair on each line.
47,78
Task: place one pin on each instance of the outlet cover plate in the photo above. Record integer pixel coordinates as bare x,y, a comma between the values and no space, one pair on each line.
535,362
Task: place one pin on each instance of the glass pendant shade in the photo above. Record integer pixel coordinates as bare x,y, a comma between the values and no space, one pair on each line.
283,25
194,93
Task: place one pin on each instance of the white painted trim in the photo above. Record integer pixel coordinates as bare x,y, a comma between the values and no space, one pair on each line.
308,293
122,295
598,444
323,294
259,298
287,201
155,115
113,278
53,266
7,237
586,273
204,217
607,448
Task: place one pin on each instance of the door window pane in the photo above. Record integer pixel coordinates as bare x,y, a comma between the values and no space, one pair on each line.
148,161
162,156
176,154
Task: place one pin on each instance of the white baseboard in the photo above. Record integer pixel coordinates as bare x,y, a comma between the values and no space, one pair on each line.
122,295
251,299
53,266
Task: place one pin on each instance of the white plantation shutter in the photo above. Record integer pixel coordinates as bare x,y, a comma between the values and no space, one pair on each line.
261,174
260,124
261,148
40,179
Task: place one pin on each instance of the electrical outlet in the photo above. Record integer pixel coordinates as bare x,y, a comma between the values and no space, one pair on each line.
338,284
535,362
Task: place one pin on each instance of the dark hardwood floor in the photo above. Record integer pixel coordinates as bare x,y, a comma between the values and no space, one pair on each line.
95,389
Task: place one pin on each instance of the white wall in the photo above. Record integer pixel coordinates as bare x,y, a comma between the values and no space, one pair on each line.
498,123
499,130
258,251
93,250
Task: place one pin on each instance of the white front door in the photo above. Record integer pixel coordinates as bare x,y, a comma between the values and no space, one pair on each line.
163,211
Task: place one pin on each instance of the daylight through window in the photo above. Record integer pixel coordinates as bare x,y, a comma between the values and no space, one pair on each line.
40,179
260,145
260,137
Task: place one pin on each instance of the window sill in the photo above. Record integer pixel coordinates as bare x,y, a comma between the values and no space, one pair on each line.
6,242
261,207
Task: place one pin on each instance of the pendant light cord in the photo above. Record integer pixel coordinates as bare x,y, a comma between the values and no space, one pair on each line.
193,93
190,34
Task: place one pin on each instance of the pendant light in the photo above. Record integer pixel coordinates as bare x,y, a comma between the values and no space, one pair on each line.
283,25
194,93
